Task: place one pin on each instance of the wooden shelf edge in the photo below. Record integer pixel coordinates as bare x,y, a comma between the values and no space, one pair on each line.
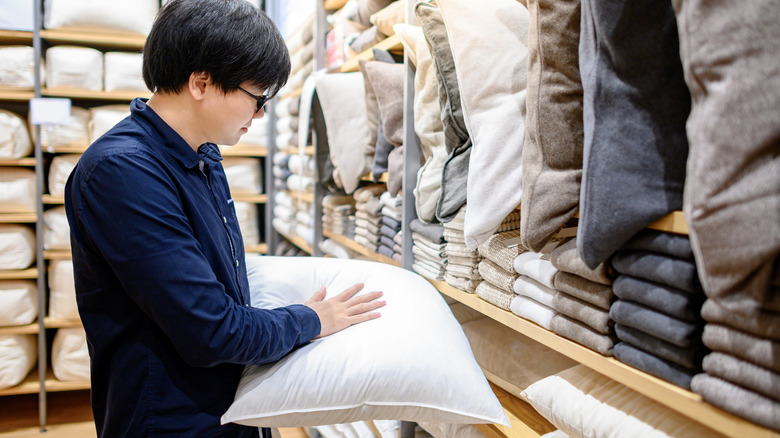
334,5
57,254
242,150
257,249
391,44
22,218
30,385
678,399
29,329
303,196
72,93
369,177
673,222
24,274
61,323
16,94
21,162
53,199
309,150
253,198
101,37
354,246
525,421
299,242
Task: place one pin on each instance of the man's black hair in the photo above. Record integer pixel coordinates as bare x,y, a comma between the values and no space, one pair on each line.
232,40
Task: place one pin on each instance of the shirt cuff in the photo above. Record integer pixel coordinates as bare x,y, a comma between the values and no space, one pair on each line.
309,321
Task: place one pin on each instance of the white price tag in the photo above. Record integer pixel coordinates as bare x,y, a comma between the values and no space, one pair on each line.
47,110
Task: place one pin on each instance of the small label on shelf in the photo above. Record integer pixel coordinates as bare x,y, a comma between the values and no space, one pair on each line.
48,110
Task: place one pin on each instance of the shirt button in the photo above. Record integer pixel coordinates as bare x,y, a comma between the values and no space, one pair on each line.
224,219
236,263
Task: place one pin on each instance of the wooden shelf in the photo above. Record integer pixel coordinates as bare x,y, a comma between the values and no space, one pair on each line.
309,150
294,93
16,94
240,150
29,329
69,149
95,38
257,249
334,5
57,254
303,196
24,274
53,199
354,246
23,162
18,218
299,242
391,44
61,323
673,222
526,422
254,198
29,385
73,93
16,37
369,177
684,402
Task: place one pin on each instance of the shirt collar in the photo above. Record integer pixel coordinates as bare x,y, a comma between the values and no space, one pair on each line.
172,142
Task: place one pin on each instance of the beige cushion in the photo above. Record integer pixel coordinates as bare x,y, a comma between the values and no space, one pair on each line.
17,246
123,72
59,171
74,67
14,138
19,301
69,355
56,230
17,67
389,16
17,357
75,132
62,290
134,16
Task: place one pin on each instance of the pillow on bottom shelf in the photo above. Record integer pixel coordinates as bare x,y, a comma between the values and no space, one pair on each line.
17,357
18,301
69,355
413,363
584,403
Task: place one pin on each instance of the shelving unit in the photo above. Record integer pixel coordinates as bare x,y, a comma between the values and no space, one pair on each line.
391,44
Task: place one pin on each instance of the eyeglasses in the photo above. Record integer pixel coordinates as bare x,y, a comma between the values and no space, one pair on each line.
261,100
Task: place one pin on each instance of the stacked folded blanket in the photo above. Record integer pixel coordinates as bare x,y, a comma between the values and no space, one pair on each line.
390,226
368,219
429,249
658,312
338,214
582,299
461,271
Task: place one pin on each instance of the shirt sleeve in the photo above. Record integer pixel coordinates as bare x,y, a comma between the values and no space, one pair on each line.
130,212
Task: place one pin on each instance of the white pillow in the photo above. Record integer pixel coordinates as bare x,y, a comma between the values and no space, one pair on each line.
104,118
74,67
69,355
14,138
444,430
75,132
244,175
62,290
17,66
123,72
18,301
56,230
59,171
584,403
17,357
246,212
117,15
413,363
17,190
17,246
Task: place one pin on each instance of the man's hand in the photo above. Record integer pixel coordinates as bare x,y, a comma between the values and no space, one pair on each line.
345,309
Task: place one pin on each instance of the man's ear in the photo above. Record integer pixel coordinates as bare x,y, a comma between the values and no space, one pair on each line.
198,83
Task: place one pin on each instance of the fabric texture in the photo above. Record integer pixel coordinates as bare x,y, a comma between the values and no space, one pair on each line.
530,288
678,332
552,153
594,293
737,400
635,107
566,258
502,249
582,334
432,232
653,364
495,295
532,264
665,299
491,64
592,316
670,244
687,357
532,310
731,202
762,352
744,374
680,274
762,324
497,276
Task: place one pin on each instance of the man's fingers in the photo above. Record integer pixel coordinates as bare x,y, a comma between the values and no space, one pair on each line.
365,307
350,292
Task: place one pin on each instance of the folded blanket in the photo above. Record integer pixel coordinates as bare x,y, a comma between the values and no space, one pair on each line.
669,244
502,249
432,265
677,273
566,258
421,240
588,314
688,357
391,223
471,272
371,246
598,294
421,255
739,401
498,277
744,374
364,194
390,212
432,232
394,202
494,295
459,249
465,284
425,271
654,365
530,288
426,251
582,334
398,258
387,242
532,311
385,251
367,229
334,201
532,265
387,232
397,248
376,220
763,324
463,261
399,238
665,299
762,352
373,207
451,235
459,221
680,333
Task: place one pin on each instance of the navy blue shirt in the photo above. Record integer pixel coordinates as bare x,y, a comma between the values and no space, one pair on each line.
161,284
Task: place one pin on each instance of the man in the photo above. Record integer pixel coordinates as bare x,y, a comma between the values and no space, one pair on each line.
158,257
